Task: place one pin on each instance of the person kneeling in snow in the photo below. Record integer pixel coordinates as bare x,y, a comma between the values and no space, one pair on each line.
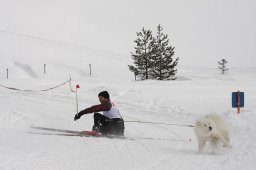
111,122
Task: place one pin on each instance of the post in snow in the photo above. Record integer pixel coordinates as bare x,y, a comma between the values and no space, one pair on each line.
90,67
77,87
44,68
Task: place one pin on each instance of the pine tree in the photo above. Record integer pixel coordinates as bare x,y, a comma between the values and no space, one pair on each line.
142,55
222,66
163,63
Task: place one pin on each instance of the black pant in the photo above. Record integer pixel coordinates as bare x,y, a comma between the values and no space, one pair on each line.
109,126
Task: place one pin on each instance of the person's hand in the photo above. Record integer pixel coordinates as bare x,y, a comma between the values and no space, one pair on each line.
77,116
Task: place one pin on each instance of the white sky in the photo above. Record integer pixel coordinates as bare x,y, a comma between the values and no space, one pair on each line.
202,31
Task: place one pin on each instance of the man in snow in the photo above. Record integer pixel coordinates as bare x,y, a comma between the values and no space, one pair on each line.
110,122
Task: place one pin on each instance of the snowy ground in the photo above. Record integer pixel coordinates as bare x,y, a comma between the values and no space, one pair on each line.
197,91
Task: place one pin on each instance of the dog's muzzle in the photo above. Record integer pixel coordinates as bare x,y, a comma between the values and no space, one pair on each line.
210,128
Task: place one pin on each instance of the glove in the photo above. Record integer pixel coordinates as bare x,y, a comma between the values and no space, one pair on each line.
77,116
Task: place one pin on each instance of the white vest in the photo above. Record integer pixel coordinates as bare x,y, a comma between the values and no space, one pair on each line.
113,112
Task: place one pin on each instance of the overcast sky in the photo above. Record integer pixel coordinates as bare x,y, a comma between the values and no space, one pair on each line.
202,31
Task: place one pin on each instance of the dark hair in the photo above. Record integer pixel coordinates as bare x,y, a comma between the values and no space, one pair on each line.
104,94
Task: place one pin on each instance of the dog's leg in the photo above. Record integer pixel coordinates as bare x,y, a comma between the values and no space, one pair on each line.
226,143
201,145
214,144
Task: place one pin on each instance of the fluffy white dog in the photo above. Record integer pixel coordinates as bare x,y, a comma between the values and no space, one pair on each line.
214,129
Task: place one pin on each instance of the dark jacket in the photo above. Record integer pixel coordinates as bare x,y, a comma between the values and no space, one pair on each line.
96,108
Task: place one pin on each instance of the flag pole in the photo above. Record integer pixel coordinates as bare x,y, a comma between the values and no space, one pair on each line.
77,86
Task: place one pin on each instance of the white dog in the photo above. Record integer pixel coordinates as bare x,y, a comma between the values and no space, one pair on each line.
214,129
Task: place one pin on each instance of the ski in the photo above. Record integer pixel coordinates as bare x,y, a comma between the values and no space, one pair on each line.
53,129
63,132
90,133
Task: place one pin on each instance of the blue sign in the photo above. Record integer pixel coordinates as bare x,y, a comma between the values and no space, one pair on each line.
235,99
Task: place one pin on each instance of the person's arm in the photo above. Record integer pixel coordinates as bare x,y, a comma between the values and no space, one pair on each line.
96,108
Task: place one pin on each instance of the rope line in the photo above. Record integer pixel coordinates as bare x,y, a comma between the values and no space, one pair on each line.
138,121
12,88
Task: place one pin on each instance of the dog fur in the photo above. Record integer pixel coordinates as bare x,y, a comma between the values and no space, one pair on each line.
212,128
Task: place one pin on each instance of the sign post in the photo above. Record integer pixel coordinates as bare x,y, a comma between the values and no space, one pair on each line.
238,100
